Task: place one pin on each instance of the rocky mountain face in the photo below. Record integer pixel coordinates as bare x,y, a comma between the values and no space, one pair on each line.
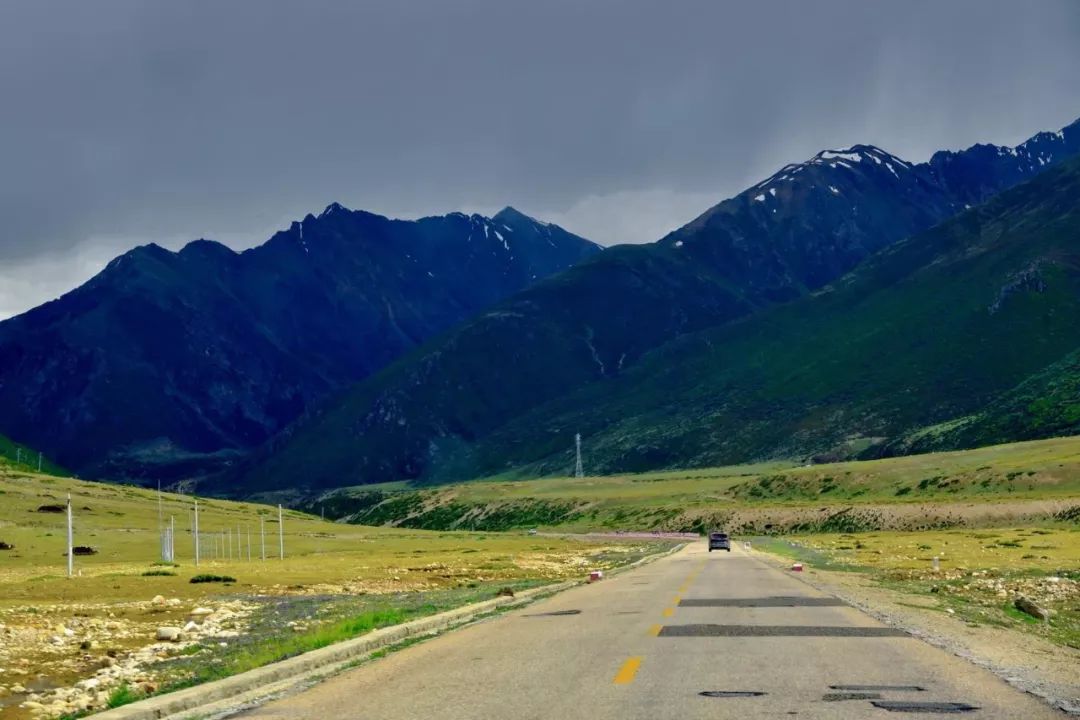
580,331
168,364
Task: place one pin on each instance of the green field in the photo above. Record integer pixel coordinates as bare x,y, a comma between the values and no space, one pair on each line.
1036,478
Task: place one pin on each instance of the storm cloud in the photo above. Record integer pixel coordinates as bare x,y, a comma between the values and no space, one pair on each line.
123,123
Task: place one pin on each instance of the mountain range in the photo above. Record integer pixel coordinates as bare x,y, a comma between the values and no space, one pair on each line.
170,365
507,390
837,308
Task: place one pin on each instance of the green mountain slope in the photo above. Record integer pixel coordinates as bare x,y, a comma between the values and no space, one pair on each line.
1045,405
934,328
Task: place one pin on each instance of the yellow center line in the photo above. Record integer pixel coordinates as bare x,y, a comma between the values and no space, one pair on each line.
628,671
668,612
676,600
655,630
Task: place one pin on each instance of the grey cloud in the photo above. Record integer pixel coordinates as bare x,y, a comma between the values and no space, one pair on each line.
126,122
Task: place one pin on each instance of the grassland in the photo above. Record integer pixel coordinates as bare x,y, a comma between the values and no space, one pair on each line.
980,572
1030,480
335,581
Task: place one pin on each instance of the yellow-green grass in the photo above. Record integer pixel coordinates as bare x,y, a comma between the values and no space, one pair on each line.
1047,549
121,523
1040,468
980,572
1044,470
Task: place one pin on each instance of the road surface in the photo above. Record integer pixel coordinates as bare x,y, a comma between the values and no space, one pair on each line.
647,644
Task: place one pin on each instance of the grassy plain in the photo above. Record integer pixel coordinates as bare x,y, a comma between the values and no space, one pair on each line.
1037,478
980,572
336,581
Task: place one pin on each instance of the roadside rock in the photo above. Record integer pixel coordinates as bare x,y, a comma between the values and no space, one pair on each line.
1025,605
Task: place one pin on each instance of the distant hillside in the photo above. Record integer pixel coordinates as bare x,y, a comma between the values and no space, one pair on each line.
18,456
576,352
170,364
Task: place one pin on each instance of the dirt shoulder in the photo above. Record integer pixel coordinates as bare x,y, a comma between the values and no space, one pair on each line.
1027,662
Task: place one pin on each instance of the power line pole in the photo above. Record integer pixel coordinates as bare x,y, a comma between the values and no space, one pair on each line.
262,537
579,470
39,461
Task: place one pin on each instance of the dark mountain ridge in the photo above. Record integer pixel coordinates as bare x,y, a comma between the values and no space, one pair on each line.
166,363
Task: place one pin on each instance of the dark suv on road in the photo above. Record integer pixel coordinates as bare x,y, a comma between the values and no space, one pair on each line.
719,541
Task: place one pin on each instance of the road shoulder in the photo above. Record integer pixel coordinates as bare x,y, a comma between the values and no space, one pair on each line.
1031,664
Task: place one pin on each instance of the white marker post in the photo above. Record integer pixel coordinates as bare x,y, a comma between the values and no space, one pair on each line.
70,540
281,534
195,533
262,537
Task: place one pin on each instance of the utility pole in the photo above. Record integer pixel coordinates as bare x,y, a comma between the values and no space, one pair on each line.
39,461
281,533
70,540
579,471
18,456
262,537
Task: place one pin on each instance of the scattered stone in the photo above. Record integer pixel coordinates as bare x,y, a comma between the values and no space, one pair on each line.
169,633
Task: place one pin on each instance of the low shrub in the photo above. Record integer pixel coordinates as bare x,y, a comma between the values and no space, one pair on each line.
207,578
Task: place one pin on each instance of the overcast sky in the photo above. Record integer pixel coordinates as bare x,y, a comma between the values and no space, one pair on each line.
123,123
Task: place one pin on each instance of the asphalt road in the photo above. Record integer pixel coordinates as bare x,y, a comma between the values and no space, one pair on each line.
647,644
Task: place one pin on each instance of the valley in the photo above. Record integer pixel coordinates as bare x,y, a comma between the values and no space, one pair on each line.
660,361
